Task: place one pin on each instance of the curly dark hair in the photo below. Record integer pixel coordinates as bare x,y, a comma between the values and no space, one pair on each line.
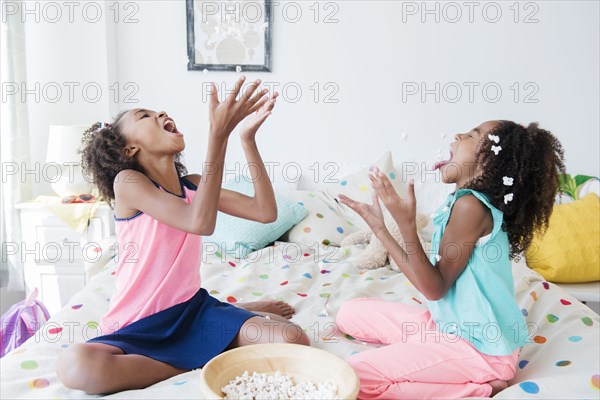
534,158
103,156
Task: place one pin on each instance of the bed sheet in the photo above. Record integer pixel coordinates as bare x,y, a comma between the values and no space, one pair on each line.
562,360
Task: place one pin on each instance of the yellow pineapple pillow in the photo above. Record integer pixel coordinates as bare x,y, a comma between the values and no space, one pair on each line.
569,252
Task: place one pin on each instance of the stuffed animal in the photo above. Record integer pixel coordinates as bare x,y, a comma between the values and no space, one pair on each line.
375,254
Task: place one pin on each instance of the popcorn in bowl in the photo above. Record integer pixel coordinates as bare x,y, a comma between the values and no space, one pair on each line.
301,370
276,386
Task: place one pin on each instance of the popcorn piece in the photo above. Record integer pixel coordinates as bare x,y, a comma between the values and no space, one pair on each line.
324,313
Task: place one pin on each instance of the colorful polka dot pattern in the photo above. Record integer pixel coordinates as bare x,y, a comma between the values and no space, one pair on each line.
29,364
327,223
357,186
39,383
529,387
560,360
552,319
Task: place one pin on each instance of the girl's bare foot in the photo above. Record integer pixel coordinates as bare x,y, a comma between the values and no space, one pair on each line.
269,306
497,386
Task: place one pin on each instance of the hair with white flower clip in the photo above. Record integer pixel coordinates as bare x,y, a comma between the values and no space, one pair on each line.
520,169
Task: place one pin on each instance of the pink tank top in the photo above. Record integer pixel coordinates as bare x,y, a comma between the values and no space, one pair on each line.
158,267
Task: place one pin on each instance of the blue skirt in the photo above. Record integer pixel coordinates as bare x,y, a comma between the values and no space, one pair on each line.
186,336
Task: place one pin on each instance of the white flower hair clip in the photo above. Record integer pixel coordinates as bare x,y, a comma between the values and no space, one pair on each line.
496,149
508,197
507,181
494,138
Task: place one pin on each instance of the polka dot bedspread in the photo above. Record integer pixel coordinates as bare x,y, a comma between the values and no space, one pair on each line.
562,359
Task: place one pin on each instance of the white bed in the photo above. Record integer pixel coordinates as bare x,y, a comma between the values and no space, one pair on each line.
563,361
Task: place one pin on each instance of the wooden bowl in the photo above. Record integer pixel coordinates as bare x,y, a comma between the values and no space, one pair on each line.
301,363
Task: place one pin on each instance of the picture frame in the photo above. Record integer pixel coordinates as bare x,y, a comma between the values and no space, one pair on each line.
232,35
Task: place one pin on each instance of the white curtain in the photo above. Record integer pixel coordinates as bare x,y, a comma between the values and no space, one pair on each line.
14,149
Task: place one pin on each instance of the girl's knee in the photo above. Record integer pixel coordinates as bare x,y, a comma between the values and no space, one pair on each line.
364,365
293,334
303,340
348,312
373,383
260,330
69,368
80,368
357,363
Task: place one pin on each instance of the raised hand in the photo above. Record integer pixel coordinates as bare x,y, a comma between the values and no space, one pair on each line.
224,116
404,211
371,213
256,119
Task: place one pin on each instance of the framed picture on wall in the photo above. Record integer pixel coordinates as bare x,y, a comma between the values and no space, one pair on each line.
229,35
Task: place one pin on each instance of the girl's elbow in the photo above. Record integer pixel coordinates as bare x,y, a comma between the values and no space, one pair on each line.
203,228
431,297
434,294
204,231
269,217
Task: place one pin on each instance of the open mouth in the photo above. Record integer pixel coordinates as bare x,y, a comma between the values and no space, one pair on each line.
440,164
169,126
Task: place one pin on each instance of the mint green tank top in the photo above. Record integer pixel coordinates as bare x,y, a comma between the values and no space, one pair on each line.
480,306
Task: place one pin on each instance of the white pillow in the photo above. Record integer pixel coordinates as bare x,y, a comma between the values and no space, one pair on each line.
357,186
325,175
326,223
430,192
98,254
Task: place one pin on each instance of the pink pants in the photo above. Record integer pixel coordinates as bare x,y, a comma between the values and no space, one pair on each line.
418,362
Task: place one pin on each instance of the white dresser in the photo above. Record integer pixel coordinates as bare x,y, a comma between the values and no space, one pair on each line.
53,253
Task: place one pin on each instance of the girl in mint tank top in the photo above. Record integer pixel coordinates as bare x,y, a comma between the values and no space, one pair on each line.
466,341
160,321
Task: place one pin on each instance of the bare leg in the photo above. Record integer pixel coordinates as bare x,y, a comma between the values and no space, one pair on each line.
269,306
98,368
274,317
497,386
275,329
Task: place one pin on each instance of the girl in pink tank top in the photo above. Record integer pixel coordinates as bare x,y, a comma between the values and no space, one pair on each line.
144,285
160,321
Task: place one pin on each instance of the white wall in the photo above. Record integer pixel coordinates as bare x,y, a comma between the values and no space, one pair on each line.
66,63
368,55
